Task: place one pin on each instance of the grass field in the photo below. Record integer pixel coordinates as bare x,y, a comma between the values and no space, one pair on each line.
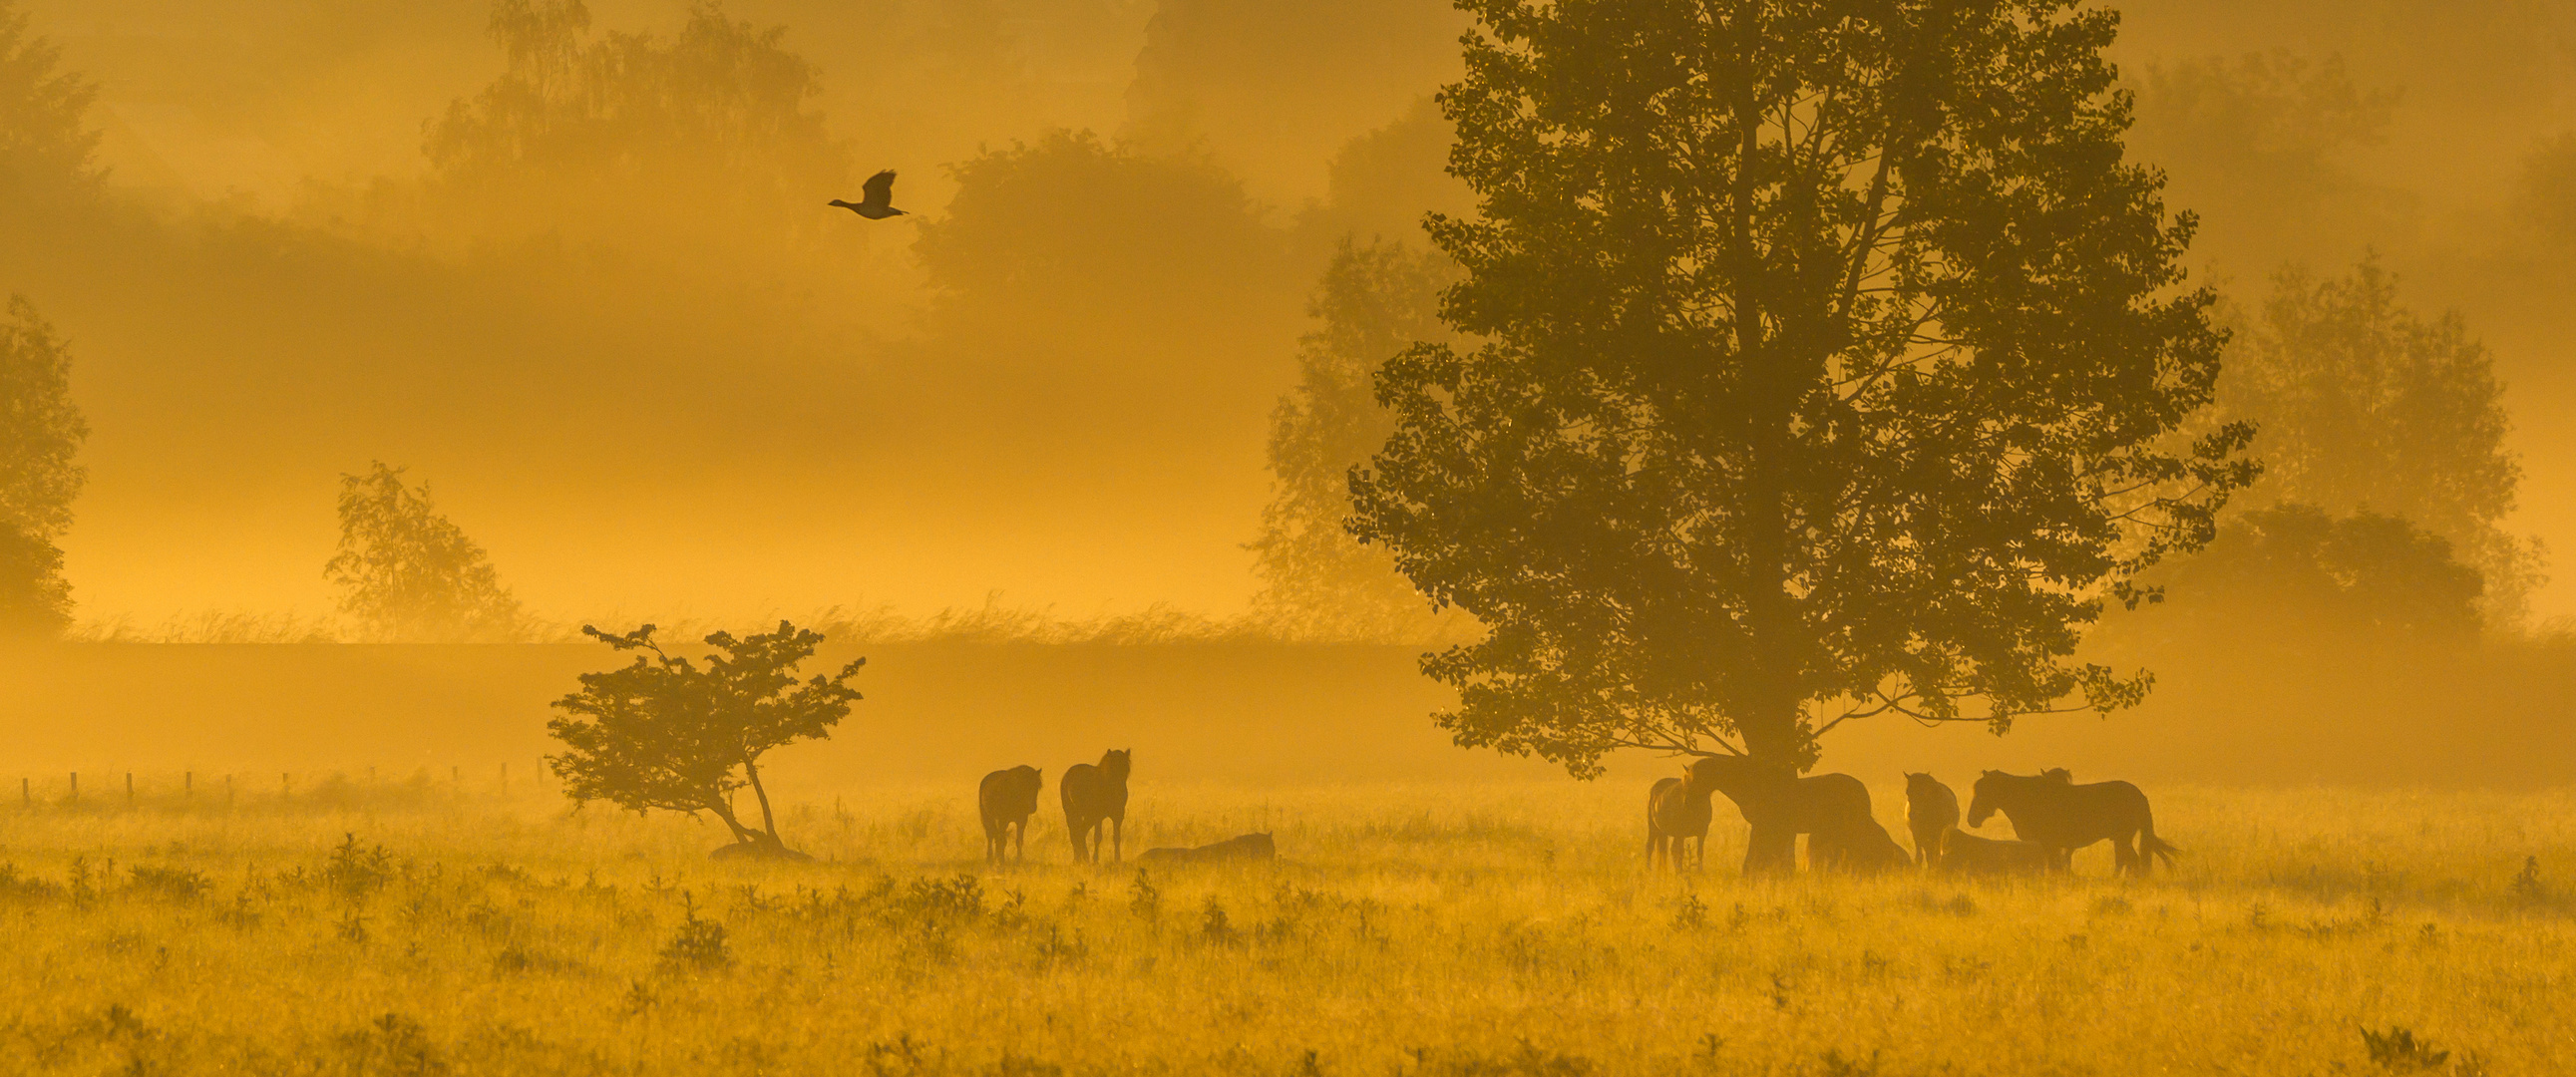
1489,930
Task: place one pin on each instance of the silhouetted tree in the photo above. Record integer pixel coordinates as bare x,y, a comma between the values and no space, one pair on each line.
40,434
2364,574
1835,364
1375,301
45,140
708,128
670,734
2366,406
410,575
2264,147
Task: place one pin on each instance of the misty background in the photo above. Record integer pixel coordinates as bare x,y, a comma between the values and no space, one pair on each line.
572,268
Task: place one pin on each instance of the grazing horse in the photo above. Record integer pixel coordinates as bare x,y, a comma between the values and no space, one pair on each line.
1093,795
1676,812
1007,799
2064,816
1859,846
1931,810
1779,805
1963,853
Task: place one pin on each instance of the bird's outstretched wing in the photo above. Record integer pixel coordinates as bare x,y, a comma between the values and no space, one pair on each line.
879,190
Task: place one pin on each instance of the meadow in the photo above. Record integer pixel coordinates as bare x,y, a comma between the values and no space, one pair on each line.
1474,929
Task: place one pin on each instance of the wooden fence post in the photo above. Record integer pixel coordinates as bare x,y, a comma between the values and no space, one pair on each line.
129,789
75,788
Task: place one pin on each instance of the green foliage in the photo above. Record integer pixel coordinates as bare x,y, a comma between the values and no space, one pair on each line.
2365,575
1835,359
41,431
45,139
2264,146
1073,227
669,733
1376,300
2365,405
707,129
408,574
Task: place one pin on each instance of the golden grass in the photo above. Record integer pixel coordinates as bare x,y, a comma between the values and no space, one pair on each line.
1498,929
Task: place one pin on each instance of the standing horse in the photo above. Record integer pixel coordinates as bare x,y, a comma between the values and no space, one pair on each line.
1093,795
1779,805
1677,811
2064,816
1931,809
1006,799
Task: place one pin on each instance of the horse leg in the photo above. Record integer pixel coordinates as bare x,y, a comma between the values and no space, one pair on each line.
1117,838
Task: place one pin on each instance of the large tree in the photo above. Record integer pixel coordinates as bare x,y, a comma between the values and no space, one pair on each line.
46,144
1836,365
40,434
408,574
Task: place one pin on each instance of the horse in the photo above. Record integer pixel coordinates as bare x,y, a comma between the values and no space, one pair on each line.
1093,795
1677,811
2065,817
1859,846
1779,805
1007,798
1243,847
1963,853
1930,810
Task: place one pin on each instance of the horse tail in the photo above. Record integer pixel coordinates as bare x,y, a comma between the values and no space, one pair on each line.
2150,847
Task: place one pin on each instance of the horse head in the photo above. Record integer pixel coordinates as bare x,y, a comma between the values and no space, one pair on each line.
1988,794
1114,764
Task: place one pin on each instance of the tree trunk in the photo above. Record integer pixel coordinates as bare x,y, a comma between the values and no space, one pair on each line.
768,821
724,811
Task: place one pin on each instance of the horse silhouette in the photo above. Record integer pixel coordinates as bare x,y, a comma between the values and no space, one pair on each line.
1859,846
1779,805
1963,853
1006,799
2064,816
1093,795
1931,809
1677,811
1242,847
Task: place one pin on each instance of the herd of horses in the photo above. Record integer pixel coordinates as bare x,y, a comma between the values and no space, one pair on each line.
2051,817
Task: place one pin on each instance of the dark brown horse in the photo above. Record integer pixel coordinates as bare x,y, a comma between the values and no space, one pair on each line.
1779,805
1677,812
1931,809
2064,816
1094,795
1007,799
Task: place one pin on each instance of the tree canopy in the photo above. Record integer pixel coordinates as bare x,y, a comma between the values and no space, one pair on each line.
667,733
2367,406
1375,300
41,431
1835,365
46,144
409,574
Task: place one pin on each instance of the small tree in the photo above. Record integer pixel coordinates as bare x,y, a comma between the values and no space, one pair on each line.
409,574
669,733
40,433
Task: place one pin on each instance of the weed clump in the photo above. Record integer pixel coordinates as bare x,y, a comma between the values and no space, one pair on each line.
2398,1051
699,945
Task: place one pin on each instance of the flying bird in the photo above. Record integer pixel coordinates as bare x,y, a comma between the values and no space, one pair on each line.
876,203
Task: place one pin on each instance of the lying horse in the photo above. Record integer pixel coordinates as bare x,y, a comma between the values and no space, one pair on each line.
1859,846
1246,847
1779,805
2064,816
